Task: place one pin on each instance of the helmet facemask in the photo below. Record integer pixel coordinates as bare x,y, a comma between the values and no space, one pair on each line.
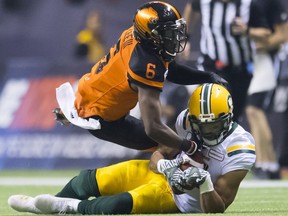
212,131
170,38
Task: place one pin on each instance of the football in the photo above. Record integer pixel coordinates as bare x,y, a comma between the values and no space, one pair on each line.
195,160
185,166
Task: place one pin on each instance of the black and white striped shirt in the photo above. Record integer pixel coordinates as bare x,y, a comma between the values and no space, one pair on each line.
217,42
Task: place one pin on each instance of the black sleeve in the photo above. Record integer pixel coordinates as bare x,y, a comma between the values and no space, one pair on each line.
257,15
184,75
196,5
279,10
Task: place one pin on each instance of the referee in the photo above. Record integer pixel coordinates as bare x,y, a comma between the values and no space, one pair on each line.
269,32
224,43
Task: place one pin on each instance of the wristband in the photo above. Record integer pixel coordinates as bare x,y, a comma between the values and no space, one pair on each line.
189,146
160,164
207,185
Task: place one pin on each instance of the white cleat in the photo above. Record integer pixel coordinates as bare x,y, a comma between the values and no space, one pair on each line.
49,204
23,203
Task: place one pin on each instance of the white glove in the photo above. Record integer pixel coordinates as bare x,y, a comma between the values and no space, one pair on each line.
164,165
193,177
174,178
197,177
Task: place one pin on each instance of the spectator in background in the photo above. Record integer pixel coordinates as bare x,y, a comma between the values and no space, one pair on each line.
89,40
281,106
268,31
224,43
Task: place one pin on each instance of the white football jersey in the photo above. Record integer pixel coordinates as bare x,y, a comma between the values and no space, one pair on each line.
236,152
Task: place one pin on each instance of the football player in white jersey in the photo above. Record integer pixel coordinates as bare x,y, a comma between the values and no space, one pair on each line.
228,153
224,155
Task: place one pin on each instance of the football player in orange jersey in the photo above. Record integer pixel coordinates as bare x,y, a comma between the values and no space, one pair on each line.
134,71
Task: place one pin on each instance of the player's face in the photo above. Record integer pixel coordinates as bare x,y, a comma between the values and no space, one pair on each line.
209,130
174,37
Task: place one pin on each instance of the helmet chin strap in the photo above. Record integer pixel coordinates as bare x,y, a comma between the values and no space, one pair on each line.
167,56
220,138
213,142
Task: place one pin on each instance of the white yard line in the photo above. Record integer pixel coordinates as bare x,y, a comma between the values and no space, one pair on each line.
38,181
264,183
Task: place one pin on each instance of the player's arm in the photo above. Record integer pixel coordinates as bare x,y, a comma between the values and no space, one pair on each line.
225,190
150,108
279,36
162,153
184,75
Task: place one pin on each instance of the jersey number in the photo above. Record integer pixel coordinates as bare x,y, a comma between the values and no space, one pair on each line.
150,71
107,58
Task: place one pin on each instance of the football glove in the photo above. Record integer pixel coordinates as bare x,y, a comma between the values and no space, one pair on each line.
194,177
174,177
215,78
195,159
164,166
60,117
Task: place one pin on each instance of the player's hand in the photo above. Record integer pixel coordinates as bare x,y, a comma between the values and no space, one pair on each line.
175,180
215,78
196,160
182,181
164,166
194,177
60,117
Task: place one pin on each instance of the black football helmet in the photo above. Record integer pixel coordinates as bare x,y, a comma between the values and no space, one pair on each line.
160,26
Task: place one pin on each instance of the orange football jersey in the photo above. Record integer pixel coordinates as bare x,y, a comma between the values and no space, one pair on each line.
106,92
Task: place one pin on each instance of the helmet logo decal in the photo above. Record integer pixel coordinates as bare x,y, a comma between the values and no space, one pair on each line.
167,12
145,17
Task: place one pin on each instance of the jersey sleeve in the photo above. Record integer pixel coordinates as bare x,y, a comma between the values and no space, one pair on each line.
240,153
279,12
196,5
146,69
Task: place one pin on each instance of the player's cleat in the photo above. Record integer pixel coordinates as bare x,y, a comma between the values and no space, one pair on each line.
22,203
49,204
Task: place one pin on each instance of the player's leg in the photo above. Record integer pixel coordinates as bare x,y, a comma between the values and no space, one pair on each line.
128,132
127,187
266,164
115,204
133,185
23,203
107,180
155,197
82,186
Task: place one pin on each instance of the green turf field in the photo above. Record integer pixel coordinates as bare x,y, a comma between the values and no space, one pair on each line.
263,201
